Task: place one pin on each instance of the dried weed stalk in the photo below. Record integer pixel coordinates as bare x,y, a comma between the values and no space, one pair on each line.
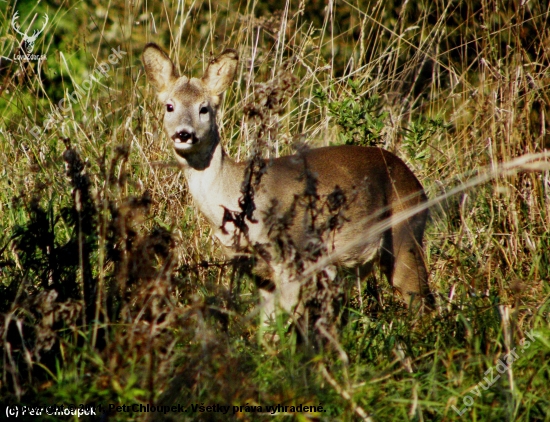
321,216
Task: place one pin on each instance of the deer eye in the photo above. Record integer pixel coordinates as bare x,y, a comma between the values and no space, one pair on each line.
203,110
169,108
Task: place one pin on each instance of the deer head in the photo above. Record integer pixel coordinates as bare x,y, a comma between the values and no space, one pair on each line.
28,41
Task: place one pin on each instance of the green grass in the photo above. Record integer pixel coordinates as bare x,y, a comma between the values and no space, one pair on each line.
113,290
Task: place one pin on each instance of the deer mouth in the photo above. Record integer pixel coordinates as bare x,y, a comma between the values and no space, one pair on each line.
184,139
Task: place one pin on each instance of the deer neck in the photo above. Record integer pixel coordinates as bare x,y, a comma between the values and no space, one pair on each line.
214,182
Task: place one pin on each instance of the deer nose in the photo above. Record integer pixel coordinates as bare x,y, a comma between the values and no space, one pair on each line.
184,136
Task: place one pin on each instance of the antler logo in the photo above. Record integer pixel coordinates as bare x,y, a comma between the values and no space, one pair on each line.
28,41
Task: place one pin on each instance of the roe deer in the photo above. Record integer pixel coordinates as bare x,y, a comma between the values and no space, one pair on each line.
382,184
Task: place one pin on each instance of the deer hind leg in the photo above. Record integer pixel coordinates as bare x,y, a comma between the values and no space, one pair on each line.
387,260
365,274
409,274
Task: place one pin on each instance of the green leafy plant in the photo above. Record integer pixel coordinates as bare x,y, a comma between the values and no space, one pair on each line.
417,137
359,116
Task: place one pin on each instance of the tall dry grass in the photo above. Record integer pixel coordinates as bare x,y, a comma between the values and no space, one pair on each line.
113,290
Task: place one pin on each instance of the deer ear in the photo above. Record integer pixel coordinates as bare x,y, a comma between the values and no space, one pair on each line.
220,72
160,70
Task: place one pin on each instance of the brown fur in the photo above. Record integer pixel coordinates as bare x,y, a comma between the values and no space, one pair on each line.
377,184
